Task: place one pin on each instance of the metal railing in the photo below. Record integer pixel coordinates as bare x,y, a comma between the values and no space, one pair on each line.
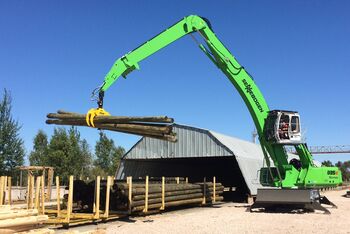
334,149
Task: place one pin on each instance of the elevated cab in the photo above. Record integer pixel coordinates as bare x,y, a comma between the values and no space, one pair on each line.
283,127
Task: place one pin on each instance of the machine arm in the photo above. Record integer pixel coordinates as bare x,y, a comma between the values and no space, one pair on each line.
130,61
216,52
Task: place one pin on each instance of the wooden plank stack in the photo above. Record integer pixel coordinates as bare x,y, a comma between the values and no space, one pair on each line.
159,127
18,220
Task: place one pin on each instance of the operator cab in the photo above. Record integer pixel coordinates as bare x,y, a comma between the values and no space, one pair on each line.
283,127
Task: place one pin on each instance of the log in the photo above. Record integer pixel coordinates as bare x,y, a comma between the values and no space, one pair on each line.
122,126
169,199
174,193
141,193
67,112
152,134
171,189
177,192
161,136
195,201
111,119
169,185
180,192
171,138
124,205
149,126
137,129
23,221
27,229
120,191
18,213
170,181
5,208
158,189
169,204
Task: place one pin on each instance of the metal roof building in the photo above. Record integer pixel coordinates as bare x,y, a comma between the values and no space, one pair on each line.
198,153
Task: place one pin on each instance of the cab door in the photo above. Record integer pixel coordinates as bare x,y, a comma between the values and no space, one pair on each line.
295,131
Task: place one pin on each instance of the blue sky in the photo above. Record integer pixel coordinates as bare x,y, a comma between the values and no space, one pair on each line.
54,53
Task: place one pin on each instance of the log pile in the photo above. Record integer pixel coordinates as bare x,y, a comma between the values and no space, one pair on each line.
19,220
159,127
174,195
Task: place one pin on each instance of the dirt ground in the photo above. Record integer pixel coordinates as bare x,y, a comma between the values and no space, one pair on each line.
233,218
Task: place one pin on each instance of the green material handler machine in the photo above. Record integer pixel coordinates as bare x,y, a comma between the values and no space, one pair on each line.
293,183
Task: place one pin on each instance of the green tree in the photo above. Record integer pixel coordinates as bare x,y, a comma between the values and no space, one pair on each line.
58,156
107,155
345,169
68,153
87,159
78,155
39,155
11,145
119,152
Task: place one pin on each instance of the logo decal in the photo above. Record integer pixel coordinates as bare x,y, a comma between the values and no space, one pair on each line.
248,89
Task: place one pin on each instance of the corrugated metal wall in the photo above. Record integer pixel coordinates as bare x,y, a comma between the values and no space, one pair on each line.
192,142
194,156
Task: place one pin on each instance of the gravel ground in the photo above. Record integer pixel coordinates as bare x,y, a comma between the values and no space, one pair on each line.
233,218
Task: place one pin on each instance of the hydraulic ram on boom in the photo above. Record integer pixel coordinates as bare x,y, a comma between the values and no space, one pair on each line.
276,128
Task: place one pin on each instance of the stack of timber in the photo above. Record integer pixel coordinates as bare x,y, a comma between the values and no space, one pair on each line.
175,194
159,127
19,220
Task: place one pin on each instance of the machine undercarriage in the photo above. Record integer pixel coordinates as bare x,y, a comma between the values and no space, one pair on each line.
289,200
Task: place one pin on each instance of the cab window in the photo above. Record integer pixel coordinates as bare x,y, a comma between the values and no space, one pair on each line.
284,122
295,124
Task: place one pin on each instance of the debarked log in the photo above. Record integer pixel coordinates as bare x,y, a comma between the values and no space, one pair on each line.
170,198
158,127
174,203
168,188
23,221
118,126
11,214
177,192
61,114
170,185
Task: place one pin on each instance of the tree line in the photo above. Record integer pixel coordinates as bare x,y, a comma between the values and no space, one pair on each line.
70,154
65,150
